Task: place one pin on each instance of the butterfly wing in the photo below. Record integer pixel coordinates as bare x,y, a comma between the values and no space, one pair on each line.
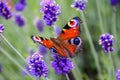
70,33
71,29
44,41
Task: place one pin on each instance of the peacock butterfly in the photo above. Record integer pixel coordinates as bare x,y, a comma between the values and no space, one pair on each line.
67,43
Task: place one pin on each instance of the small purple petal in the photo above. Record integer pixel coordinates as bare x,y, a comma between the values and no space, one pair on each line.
1,28
42,50
57,30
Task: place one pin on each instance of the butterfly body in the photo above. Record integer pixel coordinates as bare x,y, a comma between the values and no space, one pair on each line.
68,43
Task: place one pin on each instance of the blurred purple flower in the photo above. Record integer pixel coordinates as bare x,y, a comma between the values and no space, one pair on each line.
24,2
50,11
23,73
62,65
79,4
20,5
42,50
31,51
0,68
5,11
57,30
114,2
118,74
19,20
39,24
106,40
36,66
1,28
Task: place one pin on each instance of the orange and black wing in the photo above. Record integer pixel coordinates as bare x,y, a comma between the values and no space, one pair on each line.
44,41
71,29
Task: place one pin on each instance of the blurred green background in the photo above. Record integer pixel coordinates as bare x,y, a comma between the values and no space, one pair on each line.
91,63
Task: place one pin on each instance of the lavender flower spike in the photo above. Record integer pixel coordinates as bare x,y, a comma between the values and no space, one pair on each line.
50,11
62,65
79,4
106,40
36,66
1,28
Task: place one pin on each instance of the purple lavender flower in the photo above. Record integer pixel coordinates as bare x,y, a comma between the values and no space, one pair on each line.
118,74
1,28
5,11
79,4
62,65
36,66
57,30
106,40
42,50
39,24
20,6
19,20
114,2
50,11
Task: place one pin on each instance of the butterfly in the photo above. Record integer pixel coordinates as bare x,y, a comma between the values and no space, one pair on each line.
68,43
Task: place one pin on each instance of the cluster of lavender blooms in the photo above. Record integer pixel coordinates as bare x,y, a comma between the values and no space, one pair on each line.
50,11
62,65
5,10
20,6
106,40
79,4
36,66
1,28
114,2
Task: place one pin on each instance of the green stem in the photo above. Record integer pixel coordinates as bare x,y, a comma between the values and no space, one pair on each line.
12,47
13,60
67,77
112,69
76,72
94,53
114,30
99,16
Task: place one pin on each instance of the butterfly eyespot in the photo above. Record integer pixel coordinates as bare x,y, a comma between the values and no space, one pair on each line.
72,23
53,50
75,41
